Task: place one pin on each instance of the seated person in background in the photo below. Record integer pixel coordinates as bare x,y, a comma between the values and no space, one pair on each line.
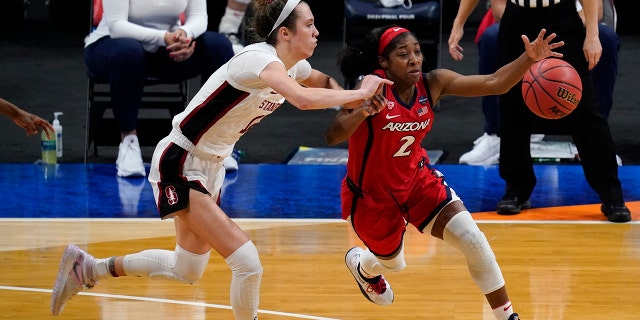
31,123
136,40
486,149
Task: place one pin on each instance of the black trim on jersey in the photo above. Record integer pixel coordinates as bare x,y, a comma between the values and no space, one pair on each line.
358,183
426,89
405,105
367,150
438,208
213,108
171,166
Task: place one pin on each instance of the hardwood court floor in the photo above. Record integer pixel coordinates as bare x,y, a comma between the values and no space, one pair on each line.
554,270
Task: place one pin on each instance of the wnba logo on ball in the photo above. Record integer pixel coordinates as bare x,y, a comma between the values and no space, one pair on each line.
567,96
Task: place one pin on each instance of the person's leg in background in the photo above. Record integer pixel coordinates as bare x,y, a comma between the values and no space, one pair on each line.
123,62
486,149
232,20
605,72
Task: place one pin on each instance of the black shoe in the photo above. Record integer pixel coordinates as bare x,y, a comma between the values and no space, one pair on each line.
616,212
511,206
514,316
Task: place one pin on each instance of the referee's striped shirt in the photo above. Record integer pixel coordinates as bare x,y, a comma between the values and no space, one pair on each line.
535,3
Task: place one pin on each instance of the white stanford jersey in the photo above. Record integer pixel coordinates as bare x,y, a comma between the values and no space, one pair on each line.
385,145
233,100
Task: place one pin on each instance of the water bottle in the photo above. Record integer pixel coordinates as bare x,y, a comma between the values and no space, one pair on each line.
48,147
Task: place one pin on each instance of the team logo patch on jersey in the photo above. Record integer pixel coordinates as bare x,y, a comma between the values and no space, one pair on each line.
171,194
425,103
391,105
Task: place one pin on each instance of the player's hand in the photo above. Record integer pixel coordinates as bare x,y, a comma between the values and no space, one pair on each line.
542,47
372,84
373,105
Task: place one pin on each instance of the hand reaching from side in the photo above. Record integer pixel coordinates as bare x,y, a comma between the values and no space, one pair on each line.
542,47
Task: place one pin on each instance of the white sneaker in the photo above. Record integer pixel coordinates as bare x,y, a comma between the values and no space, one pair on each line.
230,163
129,162
486,151
235,42
75,273
376,290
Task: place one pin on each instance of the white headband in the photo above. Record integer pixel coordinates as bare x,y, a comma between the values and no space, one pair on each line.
286,11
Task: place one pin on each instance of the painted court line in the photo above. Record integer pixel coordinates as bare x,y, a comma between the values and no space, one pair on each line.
179,302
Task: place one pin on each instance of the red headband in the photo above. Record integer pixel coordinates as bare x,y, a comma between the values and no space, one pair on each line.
388,36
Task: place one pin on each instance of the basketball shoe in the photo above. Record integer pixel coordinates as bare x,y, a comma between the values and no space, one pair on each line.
376,290
75,273
514,316
129,162
235,42
486,151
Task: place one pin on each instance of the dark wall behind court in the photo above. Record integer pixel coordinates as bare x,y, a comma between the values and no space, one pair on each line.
73,15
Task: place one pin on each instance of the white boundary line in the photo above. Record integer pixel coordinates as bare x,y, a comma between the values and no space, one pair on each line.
170,301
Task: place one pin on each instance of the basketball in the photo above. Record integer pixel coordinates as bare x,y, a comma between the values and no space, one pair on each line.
551,88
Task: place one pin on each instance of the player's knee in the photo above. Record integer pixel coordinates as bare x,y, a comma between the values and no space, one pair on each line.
245,260
477,250
188,266
463,234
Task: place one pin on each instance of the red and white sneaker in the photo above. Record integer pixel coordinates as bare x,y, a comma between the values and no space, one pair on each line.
75,273
376,290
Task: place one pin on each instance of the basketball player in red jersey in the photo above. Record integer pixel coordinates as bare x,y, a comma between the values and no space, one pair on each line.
390,182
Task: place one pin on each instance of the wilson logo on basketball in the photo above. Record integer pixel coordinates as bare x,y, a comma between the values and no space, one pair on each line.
567,96
171,194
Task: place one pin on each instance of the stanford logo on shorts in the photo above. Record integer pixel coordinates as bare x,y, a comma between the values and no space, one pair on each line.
171,194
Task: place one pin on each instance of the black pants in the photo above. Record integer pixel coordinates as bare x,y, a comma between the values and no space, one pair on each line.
588,128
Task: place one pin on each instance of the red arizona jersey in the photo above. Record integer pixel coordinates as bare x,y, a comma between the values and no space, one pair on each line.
385,145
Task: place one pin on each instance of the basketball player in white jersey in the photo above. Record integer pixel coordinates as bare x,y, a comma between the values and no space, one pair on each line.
187,167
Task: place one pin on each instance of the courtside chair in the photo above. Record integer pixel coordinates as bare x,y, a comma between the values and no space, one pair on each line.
160,102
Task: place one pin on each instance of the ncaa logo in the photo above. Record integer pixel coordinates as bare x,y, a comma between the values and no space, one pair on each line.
391,105
171,194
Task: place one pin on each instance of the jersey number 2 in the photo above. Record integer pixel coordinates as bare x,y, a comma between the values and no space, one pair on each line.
404,148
